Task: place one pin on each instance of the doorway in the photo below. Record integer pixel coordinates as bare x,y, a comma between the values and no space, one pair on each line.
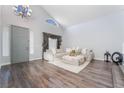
19,44
56,42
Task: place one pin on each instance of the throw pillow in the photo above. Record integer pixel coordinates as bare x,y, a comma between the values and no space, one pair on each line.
72,53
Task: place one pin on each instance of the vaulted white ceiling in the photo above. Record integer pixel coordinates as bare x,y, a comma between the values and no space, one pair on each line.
68,15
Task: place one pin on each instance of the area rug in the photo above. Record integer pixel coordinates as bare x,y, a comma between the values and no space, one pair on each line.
69,67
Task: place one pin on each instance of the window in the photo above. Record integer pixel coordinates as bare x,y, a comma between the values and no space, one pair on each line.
5,42
31,42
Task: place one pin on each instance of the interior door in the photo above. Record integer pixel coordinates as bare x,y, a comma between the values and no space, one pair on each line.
19,44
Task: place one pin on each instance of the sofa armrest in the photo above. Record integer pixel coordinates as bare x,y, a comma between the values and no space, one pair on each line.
90,57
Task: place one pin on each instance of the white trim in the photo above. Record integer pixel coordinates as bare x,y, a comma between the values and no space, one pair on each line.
99,59
6,63
31,59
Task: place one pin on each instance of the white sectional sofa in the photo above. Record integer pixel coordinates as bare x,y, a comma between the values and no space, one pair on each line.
59,54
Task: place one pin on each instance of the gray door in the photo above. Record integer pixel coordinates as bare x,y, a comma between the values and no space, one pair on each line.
19,44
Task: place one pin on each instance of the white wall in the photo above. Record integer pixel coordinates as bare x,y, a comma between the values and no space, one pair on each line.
100,34
36,23
0,35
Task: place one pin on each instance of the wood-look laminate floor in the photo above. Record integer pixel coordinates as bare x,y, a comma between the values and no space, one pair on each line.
39,74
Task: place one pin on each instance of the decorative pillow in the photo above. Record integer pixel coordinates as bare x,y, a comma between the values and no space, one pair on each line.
75,52
85,52
72,53
78,51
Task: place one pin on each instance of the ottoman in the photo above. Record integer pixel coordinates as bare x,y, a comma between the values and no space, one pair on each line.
74,60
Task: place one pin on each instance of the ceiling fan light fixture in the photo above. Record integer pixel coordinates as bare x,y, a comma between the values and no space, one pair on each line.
52,22
22,10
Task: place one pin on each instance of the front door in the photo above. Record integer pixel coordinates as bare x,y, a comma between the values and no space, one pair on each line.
19,44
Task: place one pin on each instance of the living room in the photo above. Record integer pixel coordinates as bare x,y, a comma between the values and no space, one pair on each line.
80,34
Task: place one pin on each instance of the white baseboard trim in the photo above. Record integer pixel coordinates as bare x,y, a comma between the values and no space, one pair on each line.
34,59
99,59
6,63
